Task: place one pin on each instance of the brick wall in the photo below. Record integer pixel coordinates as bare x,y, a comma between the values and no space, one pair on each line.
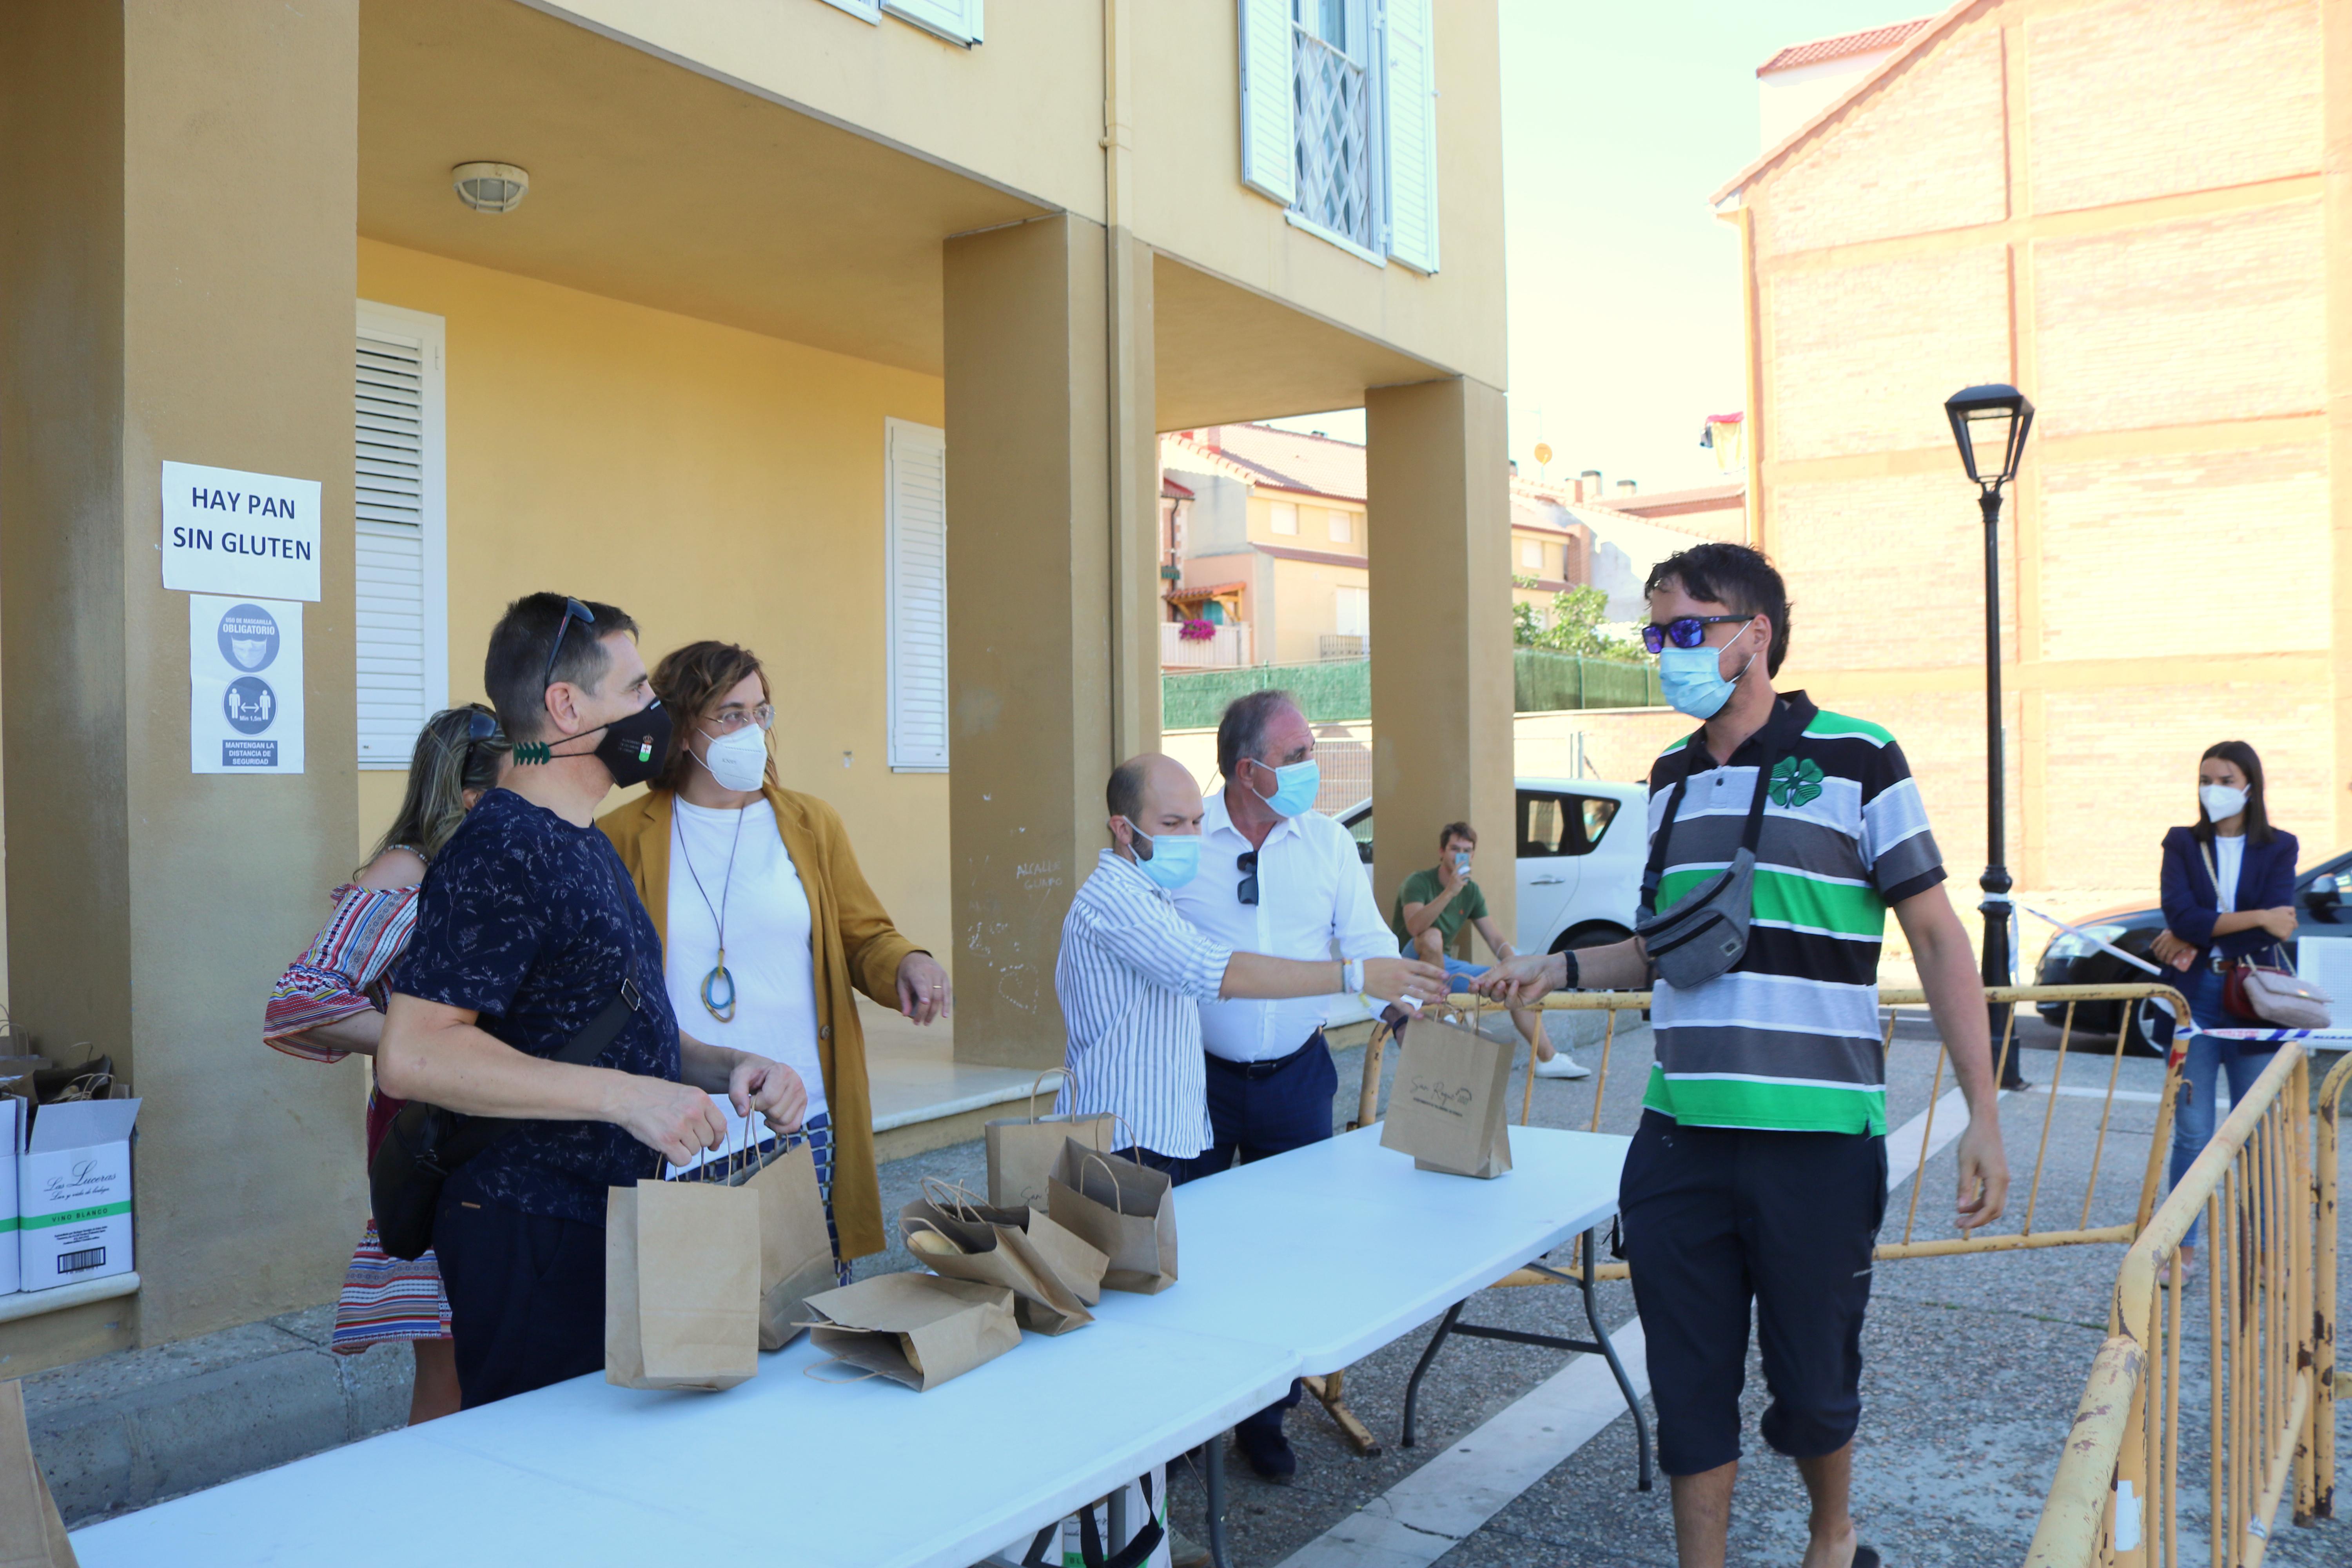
1888,573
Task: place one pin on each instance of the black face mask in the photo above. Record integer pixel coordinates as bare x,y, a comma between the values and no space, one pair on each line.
634,748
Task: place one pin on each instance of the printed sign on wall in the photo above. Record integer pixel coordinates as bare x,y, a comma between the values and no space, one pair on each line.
227,532
245,685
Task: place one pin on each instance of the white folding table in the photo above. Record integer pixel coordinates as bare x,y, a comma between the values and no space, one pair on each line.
1295,1264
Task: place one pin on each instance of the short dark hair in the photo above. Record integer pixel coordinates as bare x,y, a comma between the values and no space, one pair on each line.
1241,733
2258,816
1732,574
1124,794
1453,830
520,645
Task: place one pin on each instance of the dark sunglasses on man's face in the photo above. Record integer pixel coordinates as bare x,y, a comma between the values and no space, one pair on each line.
1246,889
1688,631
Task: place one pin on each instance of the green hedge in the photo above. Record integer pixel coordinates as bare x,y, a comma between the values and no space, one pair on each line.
1340,691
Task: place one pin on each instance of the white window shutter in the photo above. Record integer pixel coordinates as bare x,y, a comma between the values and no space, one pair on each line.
1411,136
1270,157
401,610
955,20
916,479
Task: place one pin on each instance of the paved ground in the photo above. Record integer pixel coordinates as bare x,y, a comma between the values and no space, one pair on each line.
1973,1368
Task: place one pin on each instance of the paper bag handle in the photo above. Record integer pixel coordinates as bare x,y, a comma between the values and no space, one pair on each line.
1036,1082
865,1375
954,1197
1117,1207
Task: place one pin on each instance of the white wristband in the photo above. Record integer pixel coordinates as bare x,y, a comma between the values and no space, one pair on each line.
1351,976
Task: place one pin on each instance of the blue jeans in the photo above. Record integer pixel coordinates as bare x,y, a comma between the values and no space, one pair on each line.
2206,1059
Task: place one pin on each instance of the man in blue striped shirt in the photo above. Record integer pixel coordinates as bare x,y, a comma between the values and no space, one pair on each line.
1133,974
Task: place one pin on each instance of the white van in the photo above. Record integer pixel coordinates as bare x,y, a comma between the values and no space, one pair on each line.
1580,855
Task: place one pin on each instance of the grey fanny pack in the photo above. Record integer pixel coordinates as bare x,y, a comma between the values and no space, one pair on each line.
1703,934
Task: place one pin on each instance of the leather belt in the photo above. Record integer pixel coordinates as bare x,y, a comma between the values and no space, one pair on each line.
1267,1067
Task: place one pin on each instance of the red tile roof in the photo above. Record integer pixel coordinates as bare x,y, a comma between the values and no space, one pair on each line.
1868,41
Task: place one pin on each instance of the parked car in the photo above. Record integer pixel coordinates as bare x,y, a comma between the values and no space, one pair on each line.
2323,907
1580,855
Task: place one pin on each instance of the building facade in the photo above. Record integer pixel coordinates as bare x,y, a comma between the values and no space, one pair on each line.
843,329
1267,534
1994,203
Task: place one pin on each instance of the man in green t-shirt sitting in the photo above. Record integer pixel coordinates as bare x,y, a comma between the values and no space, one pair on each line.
1430,907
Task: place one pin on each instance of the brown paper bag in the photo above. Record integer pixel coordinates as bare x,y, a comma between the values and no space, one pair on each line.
1022,1149
32,1534
1053,1275
915,1328
1120,1208
1451,1108
795,1251
681,1285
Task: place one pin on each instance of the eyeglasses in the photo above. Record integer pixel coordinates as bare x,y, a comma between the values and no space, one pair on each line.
727,721
573,610
1689,631
1247,865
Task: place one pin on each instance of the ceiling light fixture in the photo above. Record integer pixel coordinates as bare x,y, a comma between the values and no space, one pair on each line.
490,187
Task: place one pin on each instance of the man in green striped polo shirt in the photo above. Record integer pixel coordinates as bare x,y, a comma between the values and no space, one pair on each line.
1758,1174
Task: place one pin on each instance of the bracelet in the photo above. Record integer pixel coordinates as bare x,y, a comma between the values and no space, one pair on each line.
1572,971
1351,976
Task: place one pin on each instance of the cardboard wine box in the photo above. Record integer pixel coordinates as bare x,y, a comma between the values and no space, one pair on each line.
12,1141
73,1186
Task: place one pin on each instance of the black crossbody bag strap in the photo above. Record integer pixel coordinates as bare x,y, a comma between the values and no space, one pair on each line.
1654,872
477,1134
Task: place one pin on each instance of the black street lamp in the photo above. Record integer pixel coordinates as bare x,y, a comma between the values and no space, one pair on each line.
1990,423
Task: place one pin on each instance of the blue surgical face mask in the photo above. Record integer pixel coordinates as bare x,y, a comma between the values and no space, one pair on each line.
1169,859
1295,788
1694,680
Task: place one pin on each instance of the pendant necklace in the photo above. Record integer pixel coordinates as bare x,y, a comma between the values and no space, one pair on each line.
718,987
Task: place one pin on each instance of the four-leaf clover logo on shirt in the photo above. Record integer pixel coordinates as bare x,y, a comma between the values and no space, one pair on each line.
1796,782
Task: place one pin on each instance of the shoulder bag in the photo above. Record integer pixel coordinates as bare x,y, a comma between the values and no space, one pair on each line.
1705,932
2269,992
426,1143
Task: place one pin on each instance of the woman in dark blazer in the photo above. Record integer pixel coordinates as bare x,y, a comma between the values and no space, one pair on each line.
2229,893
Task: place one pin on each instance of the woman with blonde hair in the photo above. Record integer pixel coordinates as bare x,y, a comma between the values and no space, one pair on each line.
768,926
330,1004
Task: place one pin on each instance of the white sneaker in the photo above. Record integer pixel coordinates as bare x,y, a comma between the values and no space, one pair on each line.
1563,1065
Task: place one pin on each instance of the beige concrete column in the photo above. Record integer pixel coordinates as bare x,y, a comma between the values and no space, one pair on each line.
2336,45
177,212
1438,486
1051,677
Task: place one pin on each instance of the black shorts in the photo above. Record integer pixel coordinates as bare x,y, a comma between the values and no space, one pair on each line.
1717,1216
525,1298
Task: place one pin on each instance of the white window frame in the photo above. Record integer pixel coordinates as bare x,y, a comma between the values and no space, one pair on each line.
902,758
1340,524
957,21
430,333
1276,511
864,10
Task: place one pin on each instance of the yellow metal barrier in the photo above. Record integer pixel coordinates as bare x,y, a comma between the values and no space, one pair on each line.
2266,1187
2028,1232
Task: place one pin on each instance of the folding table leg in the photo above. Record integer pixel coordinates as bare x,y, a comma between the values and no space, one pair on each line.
1421,1368
1212,1482
1616,1367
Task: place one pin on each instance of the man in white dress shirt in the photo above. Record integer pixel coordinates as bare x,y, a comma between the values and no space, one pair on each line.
1133,972
1277,877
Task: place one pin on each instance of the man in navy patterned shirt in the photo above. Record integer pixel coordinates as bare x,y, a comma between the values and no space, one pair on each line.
526,929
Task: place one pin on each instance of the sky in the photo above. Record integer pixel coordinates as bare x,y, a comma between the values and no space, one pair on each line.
1619,122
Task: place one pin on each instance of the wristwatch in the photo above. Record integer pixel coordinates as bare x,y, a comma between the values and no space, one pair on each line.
1572,971
1351,977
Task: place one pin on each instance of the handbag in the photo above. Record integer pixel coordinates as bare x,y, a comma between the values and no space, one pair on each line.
425,1144
2274,993
1705,932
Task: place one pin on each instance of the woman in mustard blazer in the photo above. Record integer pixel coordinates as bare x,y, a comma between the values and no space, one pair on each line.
766,921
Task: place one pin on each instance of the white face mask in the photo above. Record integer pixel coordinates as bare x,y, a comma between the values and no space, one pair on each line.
739,761
2222,802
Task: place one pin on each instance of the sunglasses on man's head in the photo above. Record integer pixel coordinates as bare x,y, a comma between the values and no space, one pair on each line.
573,610
1688,631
